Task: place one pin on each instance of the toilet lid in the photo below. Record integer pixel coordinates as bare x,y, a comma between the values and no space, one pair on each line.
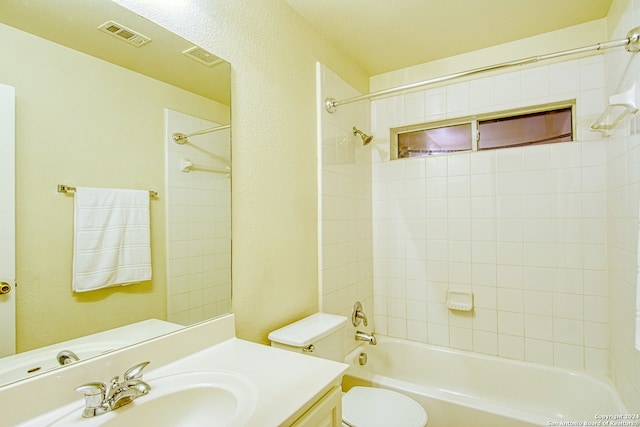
378,407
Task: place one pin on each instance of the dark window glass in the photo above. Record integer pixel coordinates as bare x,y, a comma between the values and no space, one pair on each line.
529,129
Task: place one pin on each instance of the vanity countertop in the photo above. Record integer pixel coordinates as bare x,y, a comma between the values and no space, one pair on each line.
286,383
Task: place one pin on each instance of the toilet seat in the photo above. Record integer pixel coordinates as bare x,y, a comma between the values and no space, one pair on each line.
378,407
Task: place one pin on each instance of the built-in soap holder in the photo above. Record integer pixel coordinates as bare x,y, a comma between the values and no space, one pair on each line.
621,105
461,301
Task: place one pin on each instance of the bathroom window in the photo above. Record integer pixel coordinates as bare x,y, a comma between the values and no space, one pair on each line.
544,127
532,126
439,140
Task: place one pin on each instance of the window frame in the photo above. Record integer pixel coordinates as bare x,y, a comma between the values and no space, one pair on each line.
474,121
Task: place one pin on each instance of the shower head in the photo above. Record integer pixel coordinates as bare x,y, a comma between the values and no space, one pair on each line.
365,138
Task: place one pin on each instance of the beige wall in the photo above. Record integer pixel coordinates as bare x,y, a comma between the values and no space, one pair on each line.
88,123
273,53
585,34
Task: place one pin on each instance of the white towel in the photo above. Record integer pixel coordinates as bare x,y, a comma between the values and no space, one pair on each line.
111,238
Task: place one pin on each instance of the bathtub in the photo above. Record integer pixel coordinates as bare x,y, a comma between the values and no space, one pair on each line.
459,388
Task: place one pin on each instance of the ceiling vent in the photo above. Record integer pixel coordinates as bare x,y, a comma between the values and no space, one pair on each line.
123,33
202,56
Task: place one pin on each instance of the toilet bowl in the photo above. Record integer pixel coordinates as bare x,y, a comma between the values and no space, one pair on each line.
322,335
378,407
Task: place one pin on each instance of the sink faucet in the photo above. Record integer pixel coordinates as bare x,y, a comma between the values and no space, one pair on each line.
98,400
66,357
364,336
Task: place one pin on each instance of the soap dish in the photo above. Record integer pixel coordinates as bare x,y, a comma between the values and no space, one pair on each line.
462,301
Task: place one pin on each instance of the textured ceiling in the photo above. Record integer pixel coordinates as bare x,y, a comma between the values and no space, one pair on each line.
386,35
74,23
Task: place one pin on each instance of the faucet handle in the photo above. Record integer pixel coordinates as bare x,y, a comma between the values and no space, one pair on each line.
135,371
361,315
94,394
357,315
91,389
113,384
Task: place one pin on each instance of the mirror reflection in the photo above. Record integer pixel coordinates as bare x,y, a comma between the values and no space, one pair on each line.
99,108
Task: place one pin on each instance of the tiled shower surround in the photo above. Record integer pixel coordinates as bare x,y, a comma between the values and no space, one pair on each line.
198,223
345,205
544,236
521,228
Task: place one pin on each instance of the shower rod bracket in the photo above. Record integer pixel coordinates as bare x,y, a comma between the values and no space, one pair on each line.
330,104
179,138
631,44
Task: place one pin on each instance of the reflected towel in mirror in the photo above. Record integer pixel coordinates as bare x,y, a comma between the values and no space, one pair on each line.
111,238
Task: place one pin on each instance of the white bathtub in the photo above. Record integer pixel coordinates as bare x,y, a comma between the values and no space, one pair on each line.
459,388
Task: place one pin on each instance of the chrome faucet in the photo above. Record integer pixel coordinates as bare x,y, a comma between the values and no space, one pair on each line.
98,400
364,336
66,356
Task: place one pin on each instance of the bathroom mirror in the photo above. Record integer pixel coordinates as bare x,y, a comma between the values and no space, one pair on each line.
97,108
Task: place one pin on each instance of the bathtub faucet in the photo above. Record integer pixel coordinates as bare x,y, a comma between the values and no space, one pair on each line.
364,336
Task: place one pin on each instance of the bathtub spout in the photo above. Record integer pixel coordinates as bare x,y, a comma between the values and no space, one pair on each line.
364,336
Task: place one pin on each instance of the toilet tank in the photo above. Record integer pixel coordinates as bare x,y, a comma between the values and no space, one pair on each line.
320,335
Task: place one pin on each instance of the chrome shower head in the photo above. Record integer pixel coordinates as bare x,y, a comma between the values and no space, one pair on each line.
365,138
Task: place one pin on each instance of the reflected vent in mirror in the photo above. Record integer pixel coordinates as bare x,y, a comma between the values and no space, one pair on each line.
199,54
123,33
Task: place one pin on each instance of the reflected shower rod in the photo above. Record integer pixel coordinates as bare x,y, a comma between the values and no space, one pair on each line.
181,138
631,43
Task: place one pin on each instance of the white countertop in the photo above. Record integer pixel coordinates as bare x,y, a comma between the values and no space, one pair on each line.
286,383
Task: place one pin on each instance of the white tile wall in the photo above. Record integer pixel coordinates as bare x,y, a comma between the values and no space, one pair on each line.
345,204
198,222
522,228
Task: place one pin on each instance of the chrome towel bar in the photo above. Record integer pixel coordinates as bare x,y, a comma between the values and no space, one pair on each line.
62,188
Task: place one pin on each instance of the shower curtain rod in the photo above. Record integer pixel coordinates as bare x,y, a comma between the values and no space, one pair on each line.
632,44
181,138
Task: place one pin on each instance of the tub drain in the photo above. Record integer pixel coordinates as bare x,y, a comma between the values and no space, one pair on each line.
362,359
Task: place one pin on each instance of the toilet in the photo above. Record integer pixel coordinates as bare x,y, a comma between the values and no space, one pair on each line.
322,335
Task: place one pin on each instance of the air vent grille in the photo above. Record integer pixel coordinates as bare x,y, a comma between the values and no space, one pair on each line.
123,33
204,57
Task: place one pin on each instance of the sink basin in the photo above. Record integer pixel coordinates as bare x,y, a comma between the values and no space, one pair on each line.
203,398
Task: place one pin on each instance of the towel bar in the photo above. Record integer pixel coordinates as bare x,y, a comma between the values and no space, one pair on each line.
62,188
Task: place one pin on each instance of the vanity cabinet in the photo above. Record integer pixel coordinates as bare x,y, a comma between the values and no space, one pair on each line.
326,412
